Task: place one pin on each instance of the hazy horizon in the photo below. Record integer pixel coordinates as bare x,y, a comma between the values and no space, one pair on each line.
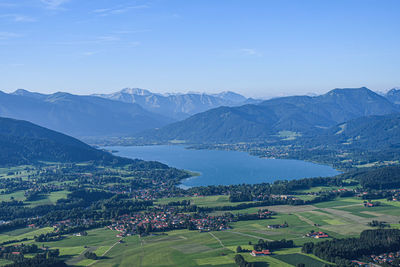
200,92
257,48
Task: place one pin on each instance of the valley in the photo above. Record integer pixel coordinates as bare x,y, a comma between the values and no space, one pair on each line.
153,133
227,201
202,226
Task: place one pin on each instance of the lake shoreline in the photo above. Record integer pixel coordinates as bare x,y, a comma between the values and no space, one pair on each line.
225,167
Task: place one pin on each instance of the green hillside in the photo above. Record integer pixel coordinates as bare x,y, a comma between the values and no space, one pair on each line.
22,142
299,114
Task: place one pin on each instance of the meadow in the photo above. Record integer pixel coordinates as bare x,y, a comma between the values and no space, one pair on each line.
339,218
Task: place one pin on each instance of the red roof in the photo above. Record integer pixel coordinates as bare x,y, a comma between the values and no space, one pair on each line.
264,251
322,235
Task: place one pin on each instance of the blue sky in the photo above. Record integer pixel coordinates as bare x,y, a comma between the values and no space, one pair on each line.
258,48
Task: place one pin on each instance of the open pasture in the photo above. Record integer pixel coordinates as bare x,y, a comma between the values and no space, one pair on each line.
296,258
202,201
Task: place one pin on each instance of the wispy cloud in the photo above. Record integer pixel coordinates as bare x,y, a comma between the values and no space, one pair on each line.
117,10
90,53
242,52
249,52
108,38
18,18
8,35
54,4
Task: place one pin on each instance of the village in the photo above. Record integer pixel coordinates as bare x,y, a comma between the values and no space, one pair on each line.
169,219
385,257
166,220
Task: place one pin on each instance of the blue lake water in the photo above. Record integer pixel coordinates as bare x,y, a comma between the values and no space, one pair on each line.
225,167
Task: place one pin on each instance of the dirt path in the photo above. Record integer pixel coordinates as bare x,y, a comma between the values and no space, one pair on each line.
105,252
305,219
216,238
290,209
253,236
141,256
111,247
80,257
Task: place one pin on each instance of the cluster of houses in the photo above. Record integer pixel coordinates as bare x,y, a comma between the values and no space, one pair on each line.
385,258
165,220
342,190
157,191
209,223
264,214
283,197
318,234
360,263
395,194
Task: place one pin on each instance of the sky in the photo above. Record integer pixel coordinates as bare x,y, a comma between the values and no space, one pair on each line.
260,48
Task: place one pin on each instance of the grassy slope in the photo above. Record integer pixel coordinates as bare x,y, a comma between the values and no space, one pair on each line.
191,248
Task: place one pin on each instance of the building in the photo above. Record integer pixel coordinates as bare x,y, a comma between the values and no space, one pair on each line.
369,205
264,252
277,226
317,235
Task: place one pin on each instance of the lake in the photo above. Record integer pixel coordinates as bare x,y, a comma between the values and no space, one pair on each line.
225,167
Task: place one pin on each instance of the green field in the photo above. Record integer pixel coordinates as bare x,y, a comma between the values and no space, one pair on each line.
206,201
4,262
296,258
339,218
18,195
23,233
48,199
175,248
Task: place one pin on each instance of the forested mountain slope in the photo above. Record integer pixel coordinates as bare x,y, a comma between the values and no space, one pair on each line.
299,114
22,142
79,116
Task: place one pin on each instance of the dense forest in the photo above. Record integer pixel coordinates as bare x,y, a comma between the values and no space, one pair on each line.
342,251
378,178
22,142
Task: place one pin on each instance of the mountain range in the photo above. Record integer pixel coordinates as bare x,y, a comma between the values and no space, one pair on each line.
228,117
368,133
79,116
124,113
257,122
178,106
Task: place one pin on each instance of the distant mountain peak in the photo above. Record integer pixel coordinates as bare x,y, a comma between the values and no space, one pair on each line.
23,92
177,105
231,96
393,95
345,90
394,90
135,91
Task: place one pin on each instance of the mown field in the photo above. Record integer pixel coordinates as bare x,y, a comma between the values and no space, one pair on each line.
340,218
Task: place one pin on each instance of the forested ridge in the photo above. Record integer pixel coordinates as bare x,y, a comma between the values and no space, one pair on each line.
22,142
